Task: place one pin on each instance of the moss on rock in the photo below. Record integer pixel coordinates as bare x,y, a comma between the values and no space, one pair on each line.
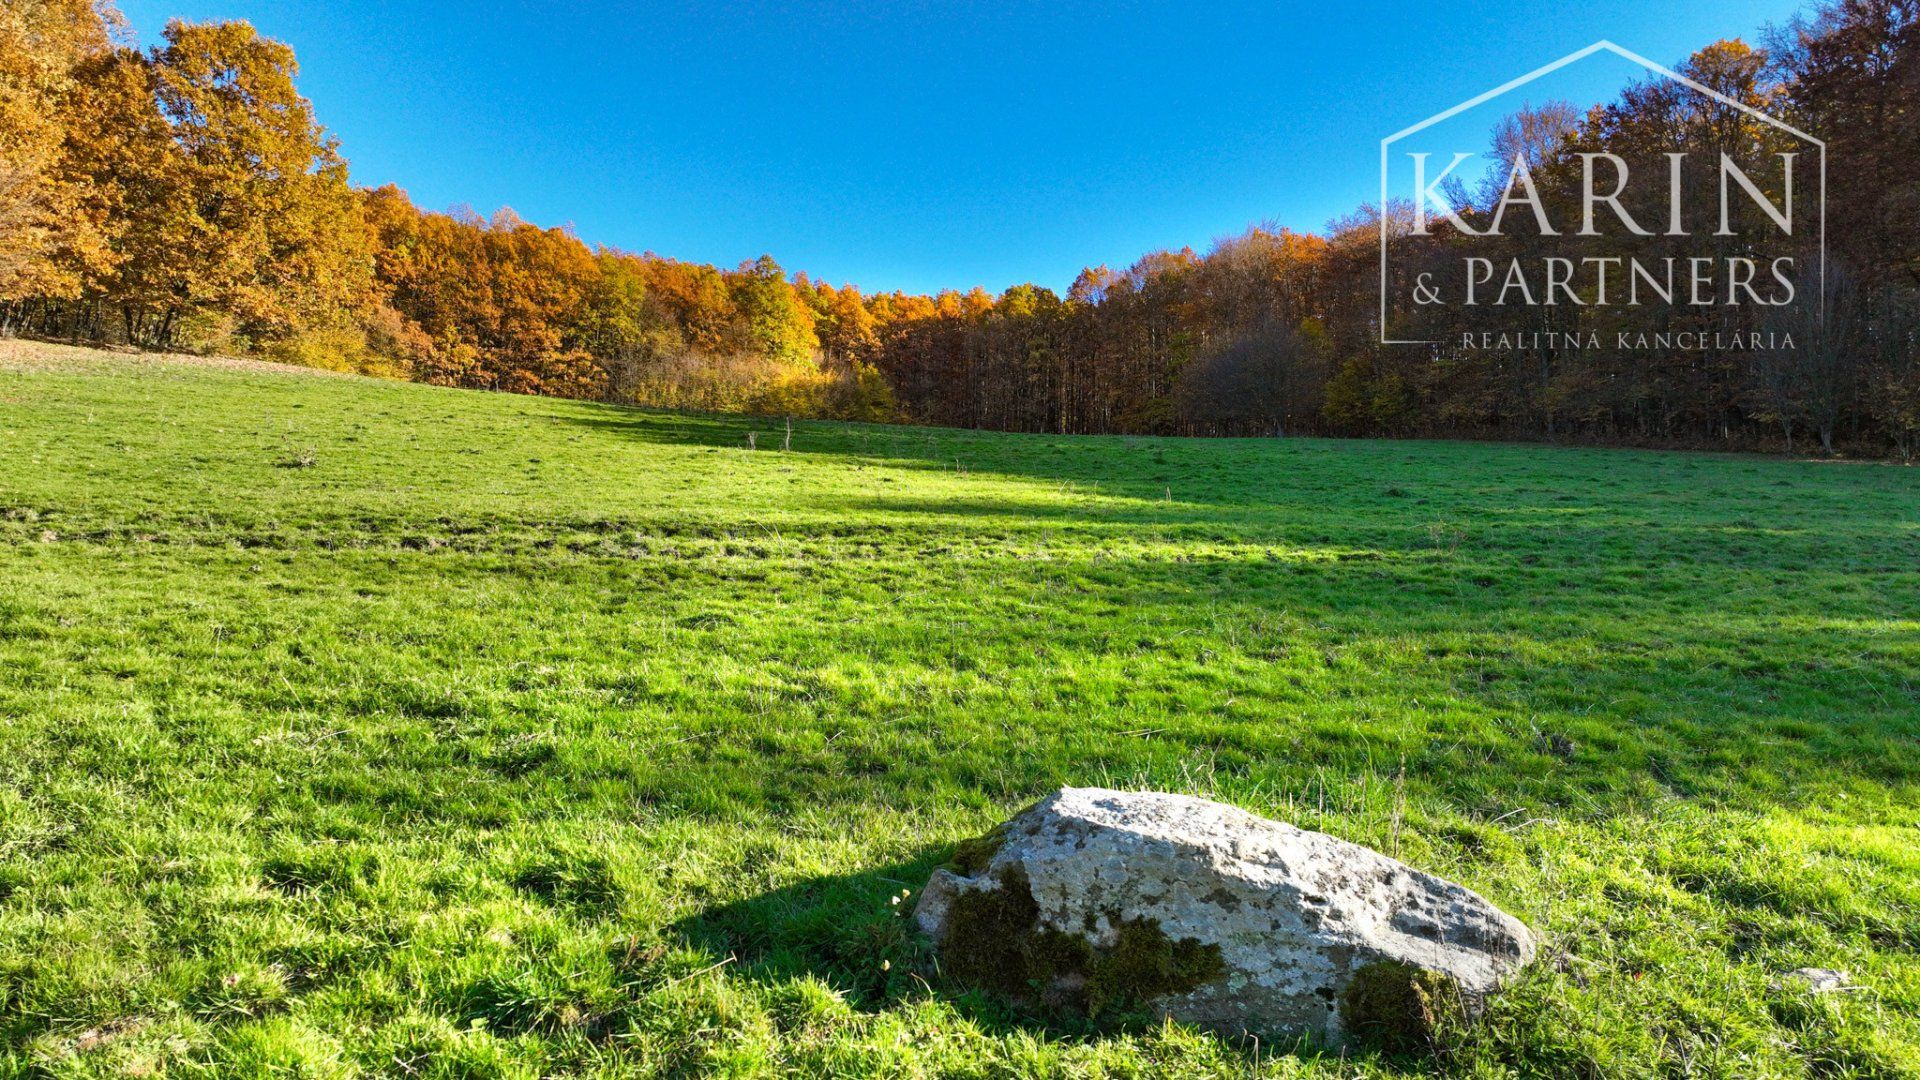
989,934
994,940
970,857
1145,963
1398,1007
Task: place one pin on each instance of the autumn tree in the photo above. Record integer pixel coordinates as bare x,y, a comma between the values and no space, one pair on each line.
48,236
626,329
1850,73
843,326
1891,374
269,235
1267,380
773,320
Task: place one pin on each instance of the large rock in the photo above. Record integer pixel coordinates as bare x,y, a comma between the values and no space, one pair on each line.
1098,899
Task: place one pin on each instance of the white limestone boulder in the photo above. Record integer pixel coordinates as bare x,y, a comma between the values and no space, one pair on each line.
1191,909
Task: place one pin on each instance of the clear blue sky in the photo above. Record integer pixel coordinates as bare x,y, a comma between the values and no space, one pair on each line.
919,145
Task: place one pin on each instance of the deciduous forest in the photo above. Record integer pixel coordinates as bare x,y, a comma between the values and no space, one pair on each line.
185,197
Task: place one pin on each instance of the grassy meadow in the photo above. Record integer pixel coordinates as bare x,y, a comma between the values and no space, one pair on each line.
361,728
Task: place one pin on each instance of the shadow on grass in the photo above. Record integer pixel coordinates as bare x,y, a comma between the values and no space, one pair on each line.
1266,484
847,931
1075,459
853,931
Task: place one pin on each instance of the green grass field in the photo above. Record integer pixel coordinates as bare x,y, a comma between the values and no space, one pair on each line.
363,728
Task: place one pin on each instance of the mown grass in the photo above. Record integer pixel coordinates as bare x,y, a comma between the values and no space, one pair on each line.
362,728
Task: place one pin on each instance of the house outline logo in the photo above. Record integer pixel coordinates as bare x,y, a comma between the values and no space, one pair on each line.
1603,45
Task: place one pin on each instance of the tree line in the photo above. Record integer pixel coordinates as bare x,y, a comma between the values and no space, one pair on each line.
184,196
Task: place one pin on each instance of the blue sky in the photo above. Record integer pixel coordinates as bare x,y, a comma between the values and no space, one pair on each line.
920,145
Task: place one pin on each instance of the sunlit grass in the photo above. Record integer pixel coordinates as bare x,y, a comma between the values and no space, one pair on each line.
352,727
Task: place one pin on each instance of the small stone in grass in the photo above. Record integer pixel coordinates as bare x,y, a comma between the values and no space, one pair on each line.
1813,980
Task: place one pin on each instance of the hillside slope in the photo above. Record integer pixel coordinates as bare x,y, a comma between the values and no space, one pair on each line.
373,728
